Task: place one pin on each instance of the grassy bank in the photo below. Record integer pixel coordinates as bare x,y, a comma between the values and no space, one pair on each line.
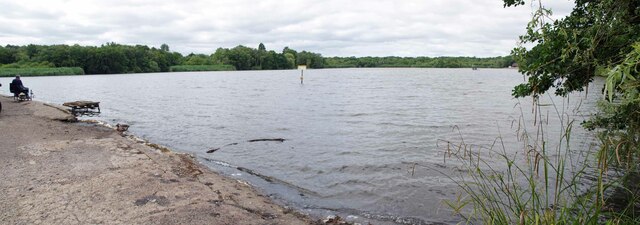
56,71
62,71
192,68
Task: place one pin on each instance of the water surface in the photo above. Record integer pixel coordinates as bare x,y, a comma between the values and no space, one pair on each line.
352,135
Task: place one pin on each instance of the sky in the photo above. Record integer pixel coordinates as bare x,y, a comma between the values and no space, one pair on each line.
481,28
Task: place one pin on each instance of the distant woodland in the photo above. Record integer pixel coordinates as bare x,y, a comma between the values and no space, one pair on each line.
113,58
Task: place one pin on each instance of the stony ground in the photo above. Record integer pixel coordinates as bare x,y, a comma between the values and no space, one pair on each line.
56,172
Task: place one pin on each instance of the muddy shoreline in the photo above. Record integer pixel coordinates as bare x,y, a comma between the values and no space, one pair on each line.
60,172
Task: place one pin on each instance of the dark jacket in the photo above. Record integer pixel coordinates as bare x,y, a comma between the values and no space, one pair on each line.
17,83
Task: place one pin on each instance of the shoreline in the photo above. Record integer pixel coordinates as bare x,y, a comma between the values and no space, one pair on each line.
326,68
58,172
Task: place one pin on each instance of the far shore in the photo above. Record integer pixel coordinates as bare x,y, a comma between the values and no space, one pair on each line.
231,70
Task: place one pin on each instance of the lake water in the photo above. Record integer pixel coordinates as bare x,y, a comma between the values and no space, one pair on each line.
352,135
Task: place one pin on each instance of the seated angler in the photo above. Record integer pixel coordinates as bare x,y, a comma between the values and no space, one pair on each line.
18,87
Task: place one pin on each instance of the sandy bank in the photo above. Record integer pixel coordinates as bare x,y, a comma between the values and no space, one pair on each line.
56,172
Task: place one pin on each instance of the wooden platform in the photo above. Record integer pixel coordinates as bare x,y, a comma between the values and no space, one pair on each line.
89,108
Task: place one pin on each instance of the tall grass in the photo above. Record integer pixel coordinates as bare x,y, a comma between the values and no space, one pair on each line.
193,68
54,71
542,183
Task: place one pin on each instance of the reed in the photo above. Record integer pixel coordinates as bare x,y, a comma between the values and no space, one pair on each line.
541,184
38,71
193,68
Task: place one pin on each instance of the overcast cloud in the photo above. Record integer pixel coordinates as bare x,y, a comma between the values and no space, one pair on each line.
330,27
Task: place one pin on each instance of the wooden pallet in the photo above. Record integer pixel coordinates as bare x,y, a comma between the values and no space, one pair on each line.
88,108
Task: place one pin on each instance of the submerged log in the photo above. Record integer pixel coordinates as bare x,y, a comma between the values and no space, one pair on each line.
212,150
267,139
216,149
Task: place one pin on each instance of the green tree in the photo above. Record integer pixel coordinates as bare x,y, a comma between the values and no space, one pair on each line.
7,55
291,60
260,57
291,55
312,60
164,47
242,57
221,56
31,50
286,50
197,59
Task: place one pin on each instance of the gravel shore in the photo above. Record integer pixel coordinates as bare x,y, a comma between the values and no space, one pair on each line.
60,172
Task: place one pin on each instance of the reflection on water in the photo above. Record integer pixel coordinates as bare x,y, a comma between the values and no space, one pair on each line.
352,135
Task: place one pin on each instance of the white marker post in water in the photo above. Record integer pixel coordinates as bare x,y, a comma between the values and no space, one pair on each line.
302,68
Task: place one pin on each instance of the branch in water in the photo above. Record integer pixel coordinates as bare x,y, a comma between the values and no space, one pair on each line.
252,140
216,149
267,139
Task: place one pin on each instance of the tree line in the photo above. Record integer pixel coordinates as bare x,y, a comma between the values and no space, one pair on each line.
110,58
113,58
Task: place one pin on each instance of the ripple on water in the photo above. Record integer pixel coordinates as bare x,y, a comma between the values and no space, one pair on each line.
352,134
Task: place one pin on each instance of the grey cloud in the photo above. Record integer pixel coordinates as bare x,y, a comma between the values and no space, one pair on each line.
10,10
331,27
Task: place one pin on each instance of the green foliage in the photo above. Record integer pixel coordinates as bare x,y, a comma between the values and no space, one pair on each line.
291,60
623,77
619,116
26,64
513,2
245,58
569,51
40,71
242,58
190,68
164,47
290,55
312,60
198,59
106,59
